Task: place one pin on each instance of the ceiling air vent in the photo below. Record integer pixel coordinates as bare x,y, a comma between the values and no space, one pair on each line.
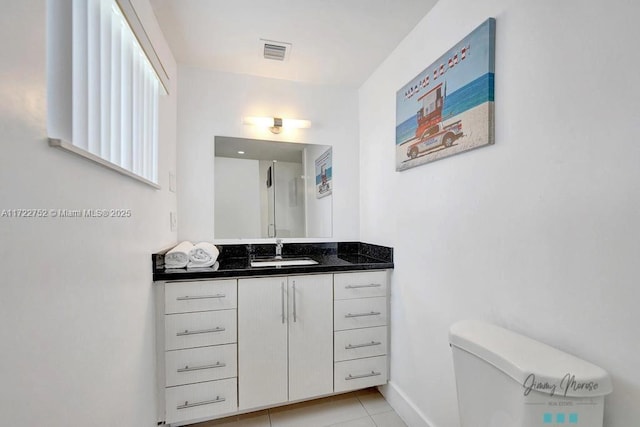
273,51
277,51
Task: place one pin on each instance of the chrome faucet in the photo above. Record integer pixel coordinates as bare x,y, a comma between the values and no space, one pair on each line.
279,248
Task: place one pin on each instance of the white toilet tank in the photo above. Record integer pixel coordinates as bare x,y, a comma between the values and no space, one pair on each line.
505,379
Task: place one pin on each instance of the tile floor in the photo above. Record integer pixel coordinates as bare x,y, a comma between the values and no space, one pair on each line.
364,408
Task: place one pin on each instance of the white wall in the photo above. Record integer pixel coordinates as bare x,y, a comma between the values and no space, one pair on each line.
214,103
76,310
237,183
538,233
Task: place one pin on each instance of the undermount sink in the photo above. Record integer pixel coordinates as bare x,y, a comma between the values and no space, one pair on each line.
282,262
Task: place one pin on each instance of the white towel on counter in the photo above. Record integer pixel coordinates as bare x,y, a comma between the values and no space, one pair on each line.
178,257
214,267
203,254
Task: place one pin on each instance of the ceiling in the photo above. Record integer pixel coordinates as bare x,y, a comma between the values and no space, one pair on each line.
257,149
335,42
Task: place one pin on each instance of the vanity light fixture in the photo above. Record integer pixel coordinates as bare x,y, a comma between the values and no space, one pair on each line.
275,124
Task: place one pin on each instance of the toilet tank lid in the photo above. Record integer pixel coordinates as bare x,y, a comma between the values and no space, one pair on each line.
534,365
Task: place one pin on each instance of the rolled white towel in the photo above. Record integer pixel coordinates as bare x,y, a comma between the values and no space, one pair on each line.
203,254
214,267
178,257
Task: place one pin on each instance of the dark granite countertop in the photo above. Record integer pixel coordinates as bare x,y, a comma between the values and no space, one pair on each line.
234,260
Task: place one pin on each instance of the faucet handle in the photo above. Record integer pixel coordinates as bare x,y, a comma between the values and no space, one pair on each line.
278,248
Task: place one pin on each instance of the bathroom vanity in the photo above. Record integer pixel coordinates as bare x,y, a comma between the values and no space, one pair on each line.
238,338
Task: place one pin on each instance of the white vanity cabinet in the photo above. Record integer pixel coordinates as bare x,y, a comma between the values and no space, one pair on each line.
230,346
285,339
361,331
199,351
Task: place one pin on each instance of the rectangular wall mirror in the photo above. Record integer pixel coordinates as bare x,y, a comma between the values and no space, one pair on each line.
268,189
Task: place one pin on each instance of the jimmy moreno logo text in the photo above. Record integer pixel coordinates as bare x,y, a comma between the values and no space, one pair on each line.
568,383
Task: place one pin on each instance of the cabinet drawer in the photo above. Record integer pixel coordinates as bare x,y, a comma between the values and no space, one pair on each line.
185,297
360,373
358,343
358,285
194,401
199,329
359,313
196,365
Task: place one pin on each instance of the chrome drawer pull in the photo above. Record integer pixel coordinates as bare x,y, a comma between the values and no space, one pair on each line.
369,344
186,405
355,377
187,297
372,313
371,285
282,297
295,316
199,368
203,331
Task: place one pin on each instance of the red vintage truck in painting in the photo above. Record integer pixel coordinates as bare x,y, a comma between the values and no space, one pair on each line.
430,133
434,137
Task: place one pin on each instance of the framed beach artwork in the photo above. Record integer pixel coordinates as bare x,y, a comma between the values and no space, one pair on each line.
324,172
448,108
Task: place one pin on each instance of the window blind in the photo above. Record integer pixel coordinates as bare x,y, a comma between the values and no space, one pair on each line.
114,89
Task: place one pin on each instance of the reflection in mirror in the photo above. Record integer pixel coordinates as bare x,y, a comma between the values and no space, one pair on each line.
268,189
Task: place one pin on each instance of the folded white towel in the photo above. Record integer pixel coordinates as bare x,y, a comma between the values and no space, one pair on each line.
214,267
178,257
203,254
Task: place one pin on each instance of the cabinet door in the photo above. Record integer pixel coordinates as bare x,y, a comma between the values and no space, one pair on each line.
201,400
360,313
189,330
310,336
360,285
360,373
196,365
262,341
201,295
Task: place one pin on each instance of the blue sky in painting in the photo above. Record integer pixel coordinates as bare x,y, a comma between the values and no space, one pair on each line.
476,64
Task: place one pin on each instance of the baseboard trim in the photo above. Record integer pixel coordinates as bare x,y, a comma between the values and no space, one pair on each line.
410,414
